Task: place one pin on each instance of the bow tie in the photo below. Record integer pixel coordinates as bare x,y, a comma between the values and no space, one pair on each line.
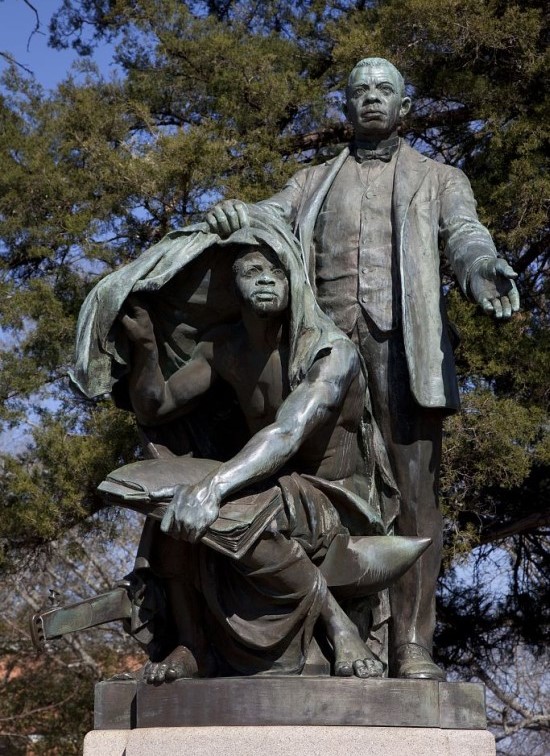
385,154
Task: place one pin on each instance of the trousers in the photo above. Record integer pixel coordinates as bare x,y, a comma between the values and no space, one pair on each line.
413,438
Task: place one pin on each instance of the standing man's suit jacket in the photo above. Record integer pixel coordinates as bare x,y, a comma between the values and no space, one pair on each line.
432,206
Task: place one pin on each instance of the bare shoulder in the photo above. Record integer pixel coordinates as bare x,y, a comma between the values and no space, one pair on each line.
340,361
218,342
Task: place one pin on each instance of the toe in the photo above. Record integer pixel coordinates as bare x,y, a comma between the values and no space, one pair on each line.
360,668
374,668
149,672
160,673
174,672
343,669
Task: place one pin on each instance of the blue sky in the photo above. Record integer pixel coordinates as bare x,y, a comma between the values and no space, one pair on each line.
17,22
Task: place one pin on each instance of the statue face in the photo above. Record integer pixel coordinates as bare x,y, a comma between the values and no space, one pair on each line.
261,283
374,102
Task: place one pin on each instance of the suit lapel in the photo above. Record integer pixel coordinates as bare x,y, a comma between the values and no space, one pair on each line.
312,206
410,172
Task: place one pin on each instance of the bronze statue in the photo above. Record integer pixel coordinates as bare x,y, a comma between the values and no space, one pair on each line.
371,222
298,383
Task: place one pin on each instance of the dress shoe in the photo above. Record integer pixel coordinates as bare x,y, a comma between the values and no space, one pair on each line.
415,663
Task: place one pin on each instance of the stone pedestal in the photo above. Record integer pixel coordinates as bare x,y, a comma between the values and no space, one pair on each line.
266,701
290,716
290,741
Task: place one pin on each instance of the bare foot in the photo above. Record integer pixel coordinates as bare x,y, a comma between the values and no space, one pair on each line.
178,664
353,657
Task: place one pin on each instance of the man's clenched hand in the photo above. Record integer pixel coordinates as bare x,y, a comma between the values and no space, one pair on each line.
192,510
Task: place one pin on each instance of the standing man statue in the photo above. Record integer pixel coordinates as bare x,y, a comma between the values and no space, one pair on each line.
372,222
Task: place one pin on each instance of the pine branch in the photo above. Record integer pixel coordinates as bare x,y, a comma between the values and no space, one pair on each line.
535,250
314,140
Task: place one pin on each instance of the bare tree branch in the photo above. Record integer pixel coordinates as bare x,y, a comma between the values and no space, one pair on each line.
9,57
32,712
36,29
536,722
87,660
532,522
512,703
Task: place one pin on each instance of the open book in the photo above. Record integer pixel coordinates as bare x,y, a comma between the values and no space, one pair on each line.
240,523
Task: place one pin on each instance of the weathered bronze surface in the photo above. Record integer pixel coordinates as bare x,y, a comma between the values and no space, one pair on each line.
54,623
290,365
115,705
372,221
258,542
290,701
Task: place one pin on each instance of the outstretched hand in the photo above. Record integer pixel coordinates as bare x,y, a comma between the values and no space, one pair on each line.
192,510
493,288
227,217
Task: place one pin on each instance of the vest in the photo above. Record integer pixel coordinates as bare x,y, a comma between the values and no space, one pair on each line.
355,255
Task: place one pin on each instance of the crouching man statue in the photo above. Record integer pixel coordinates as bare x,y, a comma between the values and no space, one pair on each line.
299,385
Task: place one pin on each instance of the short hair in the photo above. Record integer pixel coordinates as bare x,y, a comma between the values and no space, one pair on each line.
372,62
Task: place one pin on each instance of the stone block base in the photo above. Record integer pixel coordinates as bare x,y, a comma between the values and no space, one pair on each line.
290,701
289,741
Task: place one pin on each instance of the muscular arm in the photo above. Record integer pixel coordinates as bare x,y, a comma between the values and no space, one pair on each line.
155,400
305,410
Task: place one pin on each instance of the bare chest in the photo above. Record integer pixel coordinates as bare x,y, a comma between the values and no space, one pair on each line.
260,382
